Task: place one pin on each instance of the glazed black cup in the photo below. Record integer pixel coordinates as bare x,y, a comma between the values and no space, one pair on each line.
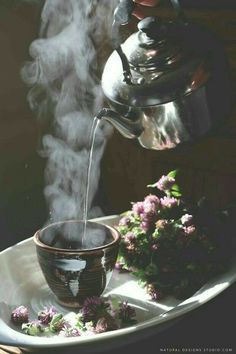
75,264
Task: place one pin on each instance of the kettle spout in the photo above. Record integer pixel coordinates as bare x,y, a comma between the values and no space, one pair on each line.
128,128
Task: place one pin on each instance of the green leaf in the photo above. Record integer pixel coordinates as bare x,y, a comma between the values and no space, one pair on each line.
175,191
79,321
152,185
176,194
172,173
175,188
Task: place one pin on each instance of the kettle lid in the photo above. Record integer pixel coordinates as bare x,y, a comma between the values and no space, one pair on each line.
163,62
154,47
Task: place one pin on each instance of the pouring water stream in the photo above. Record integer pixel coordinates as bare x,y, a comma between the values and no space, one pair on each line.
93,130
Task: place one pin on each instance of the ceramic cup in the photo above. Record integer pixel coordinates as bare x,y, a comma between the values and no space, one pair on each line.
75,264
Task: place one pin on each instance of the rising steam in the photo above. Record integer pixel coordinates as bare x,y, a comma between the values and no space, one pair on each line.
65,85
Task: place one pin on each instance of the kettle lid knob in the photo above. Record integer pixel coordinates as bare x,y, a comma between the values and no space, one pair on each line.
153,27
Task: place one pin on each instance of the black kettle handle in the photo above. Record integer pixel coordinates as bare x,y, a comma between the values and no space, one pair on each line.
122,15
179,11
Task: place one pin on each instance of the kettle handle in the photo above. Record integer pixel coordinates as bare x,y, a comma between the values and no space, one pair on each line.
121,16
179,11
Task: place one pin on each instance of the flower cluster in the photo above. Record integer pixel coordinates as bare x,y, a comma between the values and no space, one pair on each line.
165,244
20,315
97,315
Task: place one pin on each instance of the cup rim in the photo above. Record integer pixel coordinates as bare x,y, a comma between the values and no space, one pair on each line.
36,238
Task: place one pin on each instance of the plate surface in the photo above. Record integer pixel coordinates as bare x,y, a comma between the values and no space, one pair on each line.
22,283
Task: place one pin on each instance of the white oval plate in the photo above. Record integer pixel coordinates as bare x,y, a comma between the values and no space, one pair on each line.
22,283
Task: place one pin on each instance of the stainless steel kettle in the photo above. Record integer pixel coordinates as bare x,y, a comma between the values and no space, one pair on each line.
167,84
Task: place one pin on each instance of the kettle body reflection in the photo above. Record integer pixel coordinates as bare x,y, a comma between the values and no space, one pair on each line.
167,84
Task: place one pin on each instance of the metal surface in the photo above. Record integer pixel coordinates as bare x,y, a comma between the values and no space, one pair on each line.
164,126
162,68
167,85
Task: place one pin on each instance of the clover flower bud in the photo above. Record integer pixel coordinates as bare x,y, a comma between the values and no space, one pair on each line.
20,315
189,230
32,328
125,221
130,247
57,323
47,314
70,332
92,307
145,225
153,292
154,247
126,312
129,237
168,202
186,219
119,266
165,183
105,324
151,198
149,208
161,224
89,327
137,208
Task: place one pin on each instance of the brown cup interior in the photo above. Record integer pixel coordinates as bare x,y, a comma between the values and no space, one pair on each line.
70,235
